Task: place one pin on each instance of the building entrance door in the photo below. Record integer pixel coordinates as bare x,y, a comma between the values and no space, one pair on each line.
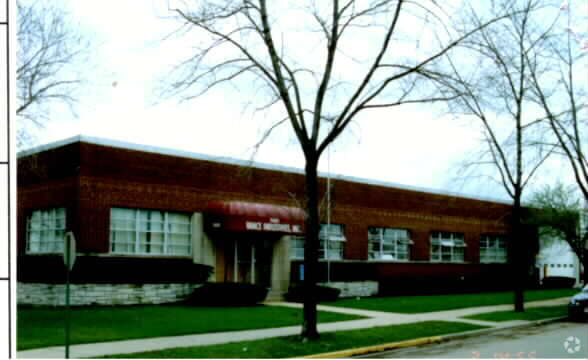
253,261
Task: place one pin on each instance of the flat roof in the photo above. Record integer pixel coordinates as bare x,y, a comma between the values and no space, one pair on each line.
240,162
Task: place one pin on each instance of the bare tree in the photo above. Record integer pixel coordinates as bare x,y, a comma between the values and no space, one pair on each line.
561,93
494,89
49,49
318,64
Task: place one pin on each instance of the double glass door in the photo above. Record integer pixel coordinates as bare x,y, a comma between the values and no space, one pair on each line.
253,261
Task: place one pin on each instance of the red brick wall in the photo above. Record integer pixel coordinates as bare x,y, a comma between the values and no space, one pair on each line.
49,166
94,178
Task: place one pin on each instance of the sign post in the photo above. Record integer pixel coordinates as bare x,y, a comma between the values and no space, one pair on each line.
69,258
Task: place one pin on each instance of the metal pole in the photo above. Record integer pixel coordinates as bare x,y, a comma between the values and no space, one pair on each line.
328,214
67,310
252,263
235,264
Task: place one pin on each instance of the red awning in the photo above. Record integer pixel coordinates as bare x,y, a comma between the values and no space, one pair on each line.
248,216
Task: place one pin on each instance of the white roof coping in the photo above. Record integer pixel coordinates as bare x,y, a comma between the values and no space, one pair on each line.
240,162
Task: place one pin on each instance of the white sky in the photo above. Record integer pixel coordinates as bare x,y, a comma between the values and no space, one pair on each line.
408,145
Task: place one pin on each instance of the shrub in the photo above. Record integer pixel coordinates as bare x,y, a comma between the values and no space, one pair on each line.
297,293
558,282
112,270
227,294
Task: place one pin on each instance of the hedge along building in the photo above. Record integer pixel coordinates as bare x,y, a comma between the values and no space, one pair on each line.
152,223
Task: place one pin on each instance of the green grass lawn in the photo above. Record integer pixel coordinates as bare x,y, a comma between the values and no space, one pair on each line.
291,346
539,313
421,304
41,327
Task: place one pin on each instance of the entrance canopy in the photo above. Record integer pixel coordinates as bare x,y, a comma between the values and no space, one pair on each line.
248,216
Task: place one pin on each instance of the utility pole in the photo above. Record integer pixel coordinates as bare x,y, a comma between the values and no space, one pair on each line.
69,258
328,214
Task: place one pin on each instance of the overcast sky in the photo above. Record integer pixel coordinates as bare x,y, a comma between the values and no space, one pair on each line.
410,145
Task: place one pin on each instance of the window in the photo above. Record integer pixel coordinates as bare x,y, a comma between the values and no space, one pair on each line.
46,231
388,244
153,232
447,246
493,249
331,246
583,221
297,247
332,241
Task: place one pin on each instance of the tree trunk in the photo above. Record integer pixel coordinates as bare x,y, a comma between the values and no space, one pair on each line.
584,259
309,324
519,260
584,263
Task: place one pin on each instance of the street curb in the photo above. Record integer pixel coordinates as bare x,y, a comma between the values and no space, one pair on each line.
375,348
425,340
472,333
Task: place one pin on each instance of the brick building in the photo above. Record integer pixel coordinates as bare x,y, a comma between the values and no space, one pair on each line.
148,221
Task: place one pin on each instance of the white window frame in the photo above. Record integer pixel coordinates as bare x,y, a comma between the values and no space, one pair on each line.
490,249
331,243
583,223
447,243
297,247
48,225
137,230
395,238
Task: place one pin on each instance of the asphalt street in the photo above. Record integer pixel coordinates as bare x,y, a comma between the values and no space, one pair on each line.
555,340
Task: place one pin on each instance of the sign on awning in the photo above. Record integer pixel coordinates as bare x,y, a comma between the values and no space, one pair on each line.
247,216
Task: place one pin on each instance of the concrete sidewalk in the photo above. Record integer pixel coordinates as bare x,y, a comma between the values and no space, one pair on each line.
374,319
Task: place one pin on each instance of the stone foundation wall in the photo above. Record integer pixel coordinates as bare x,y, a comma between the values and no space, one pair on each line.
102,294
355,288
